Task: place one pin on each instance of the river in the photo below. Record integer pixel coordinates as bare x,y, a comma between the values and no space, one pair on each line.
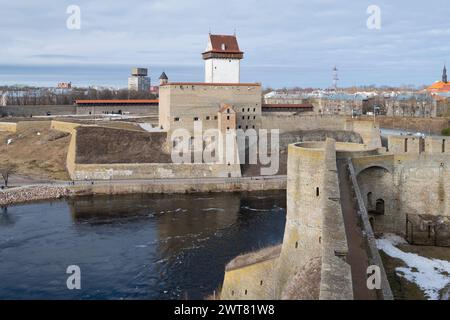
133,246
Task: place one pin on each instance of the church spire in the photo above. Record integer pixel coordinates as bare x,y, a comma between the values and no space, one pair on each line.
444,75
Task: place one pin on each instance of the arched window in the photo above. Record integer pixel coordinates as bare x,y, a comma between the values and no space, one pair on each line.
369,200
317,191
379,206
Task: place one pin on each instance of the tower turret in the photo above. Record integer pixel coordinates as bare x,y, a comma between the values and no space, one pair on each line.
163,79
222,59
444,75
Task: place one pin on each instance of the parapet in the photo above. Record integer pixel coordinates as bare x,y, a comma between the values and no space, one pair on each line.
417,145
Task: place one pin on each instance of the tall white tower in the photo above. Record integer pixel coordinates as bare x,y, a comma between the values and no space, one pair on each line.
222,59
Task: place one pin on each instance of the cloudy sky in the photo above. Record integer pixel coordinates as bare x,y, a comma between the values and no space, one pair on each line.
286,42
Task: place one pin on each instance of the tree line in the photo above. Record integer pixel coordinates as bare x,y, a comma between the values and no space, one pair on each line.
52,96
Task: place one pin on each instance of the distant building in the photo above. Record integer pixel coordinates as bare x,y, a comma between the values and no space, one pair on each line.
222,59
139,81
288,107
64,85
440,86
3,98
154,89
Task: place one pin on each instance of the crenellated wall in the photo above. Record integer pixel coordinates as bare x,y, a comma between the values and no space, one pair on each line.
412,178
314,246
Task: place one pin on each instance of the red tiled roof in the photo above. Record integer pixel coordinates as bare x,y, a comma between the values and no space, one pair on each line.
286,105
439,86
117,101
212,84
225,107
224,44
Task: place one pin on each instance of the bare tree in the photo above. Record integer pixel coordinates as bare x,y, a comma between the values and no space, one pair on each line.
6,171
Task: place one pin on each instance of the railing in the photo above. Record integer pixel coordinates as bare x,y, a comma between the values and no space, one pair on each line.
385,292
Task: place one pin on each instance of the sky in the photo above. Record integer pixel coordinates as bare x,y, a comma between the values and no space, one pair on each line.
286,42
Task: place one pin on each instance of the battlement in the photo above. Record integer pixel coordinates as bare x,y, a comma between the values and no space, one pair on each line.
311,262
418,145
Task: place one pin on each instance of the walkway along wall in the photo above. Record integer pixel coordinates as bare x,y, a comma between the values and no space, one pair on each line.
385,292
310,263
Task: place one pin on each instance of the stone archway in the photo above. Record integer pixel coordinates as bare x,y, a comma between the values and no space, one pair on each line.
377,185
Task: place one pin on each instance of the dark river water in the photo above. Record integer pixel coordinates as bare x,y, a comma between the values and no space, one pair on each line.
133,247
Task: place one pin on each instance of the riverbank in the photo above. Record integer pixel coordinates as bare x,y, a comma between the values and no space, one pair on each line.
32,193
68,189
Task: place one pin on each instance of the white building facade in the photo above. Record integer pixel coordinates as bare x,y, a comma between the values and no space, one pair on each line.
222,59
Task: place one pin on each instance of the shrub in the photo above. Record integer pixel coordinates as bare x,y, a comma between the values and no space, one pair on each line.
445,132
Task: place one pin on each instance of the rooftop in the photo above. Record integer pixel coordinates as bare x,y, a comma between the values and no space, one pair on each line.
255,84
118,101
222,44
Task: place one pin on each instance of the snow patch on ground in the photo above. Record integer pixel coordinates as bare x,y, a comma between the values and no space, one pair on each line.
149,128
431,275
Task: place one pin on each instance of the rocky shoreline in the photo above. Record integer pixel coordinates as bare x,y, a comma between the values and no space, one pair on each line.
32,193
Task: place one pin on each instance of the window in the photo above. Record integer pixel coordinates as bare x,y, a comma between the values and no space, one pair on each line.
228,117
248,117
296,245
254,109
248,109
176,119
379,206
208,117
254,117
243,117
195,118
215,117
369,200
317,191
228,128
243,109
253,127
239,127
228,110
246,127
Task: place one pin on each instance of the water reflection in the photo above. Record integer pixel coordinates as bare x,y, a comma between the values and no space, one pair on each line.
134,246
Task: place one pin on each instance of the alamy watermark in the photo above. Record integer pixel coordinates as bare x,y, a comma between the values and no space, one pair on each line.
74,280
374,20
227,147
73,22
374,277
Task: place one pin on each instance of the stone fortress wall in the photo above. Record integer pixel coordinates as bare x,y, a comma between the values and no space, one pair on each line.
369,131
182,103
110,153
412,178
314,240
86,170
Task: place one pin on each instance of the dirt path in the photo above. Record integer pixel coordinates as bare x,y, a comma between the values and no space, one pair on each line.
357,255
